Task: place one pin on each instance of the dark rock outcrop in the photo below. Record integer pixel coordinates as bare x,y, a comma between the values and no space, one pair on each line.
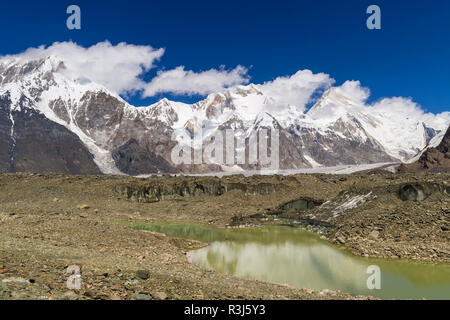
134,160
158,190
413,192
6,141
433,159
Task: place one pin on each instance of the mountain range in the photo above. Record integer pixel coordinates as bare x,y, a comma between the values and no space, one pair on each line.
52,123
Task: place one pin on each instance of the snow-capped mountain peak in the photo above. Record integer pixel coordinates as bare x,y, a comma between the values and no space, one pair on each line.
105,122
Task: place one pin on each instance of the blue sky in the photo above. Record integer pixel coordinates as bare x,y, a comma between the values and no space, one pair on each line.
409,57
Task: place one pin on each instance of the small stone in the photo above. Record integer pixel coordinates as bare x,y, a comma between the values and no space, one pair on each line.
69,295
17,280
374,235
143,274
83,207
89,294
139,296
340,240
161,295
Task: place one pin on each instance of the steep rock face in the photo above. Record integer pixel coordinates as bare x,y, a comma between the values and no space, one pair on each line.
332,148
6,140
134,160
158,190
98,115
32,143
444,146
45,146
433,159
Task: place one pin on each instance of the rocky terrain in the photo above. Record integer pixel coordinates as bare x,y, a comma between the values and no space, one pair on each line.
49,222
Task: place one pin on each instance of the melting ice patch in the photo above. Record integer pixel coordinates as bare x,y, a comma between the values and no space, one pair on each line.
351,203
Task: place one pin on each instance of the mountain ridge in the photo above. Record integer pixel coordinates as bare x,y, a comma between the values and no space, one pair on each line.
336,130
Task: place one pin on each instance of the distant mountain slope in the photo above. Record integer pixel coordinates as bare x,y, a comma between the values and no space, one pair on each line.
133,159
83,127
32,143
434,159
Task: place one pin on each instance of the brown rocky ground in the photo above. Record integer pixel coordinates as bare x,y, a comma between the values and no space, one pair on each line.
48,222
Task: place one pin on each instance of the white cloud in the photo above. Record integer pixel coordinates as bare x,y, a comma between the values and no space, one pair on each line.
186,82
399,105
393,107
117,67
395,111
354,90
444,115
296,90
407,108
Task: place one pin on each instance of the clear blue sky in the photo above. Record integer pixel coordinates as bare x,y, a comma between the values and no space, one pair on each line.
409,57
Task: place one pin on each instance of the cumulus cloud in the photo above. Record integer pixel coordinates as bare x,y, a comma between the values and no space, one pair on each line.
185,82
399,105
354,90
296,90
117,67
393,107
407,108
120,67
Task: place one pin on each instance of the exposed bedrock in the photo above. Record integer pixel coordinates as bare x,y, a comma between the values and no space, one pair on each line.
158,191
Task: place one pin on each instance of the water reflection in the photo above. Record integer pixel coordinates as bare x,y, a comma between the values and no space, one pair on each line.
292,256
315,264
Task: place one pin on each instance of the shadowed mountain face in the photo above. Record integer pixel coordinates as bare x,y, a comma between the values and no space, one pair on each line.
433,159
6,142
444,146
29,142
134,160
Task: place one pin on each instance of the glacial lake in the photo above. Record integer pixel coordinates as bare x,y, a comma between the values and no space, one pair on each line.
287,255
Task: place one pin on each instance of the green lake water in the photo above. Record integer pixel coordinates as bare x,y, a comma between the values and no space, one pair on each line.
288,255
